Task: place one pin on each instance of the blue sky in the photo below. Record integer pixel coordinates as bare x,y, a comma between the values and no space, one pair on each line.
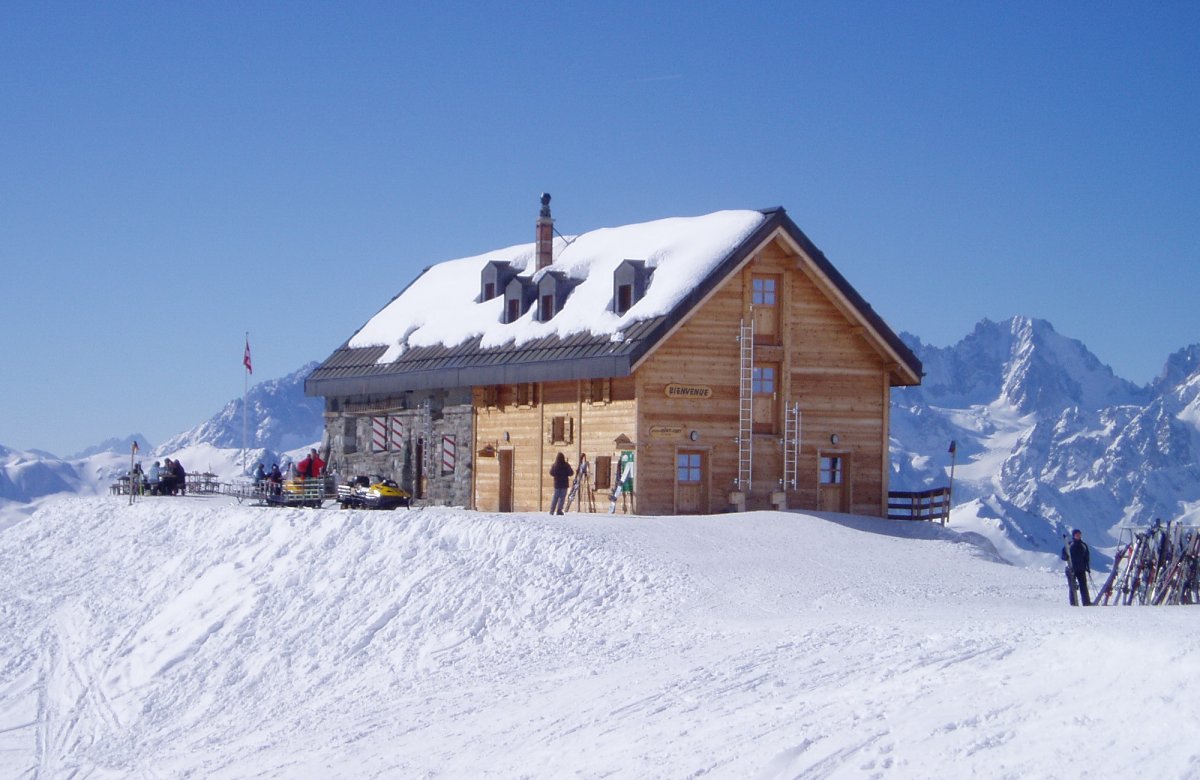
176,174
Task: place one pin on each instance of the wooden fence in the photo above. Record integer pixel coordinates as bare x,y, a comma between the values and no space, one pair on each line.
932,505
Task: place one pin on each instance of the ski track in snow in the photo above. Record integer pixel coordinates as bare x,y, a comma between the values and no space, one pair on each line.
191,638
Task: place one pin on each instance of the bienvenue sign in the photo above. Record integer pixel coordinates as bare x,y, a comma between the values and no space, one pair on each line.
699,392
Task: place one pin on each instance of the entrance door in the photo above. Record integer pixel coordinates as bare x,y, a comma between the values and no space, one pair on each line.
506,480
765,384
833,486
765,299
691,482
419,482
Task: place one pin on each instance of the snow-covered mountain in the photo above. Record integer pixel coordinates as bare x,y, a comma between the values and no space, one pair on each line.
1048,438
283,418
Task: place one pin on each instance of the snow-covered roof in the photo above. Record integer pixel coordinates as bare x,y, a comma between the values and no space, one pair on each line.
439,333
442,306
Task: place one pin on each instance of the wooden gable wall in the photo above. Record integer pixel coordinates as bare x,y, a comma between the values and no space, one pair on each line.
824,362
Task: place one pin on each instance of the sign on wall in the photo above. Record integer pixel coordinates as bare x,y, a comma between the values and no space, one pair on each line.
698,392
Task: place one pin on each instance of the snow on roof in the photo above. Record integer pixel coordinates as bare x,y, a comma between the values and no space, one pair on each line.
441,306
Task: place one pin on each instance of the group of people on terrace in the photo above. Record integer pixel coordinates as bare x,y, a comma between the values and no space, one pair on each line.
271,481
167,479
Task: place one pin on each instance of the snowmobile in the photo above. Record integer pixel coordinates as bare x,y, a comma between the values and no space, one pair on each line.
372,492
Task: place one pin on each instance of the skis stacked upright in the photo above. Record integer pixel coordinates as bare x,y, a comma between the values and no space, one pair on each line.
1161,565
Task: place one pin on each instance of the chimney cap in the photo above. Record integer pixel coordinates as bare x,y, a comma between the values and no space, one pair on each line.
545,204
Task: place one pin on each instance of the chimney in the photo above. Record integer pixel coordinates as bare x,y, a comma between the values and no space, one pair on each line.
545,234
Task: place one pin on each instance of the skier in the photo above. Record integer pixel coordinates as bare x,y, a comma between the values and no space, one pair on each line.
1079,563
561,471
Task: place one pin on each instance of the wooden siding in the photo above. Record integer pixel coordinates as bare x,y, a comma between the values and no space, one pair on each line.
826,365
593,426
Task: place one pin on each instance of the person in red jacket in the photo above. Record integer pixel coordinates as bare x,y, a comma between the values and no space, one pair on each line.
316,466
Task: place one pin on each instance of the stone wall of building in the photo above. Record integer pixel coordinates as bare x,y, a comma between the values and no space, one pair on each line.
423,442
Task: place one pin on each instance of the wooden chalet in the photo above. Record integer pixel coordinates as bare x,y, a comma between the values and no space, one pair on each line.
724,354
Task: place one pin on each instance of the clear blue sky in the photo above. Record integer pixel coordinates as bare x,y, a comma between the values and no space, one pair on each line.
176,174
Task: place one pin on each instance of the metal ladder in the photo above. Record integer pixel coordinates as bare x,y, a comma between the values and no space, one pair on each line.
791,444
745,439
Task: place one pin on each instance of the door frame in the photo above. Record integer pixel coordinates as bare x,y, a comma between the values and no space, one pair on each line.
504,482
846,483
705,486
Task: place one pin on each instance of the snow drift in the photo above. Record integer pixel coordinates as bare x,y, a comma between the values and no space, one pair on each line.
192,637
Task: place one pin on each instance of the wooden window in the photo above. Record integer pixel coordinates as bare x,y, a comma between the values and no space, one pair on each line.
379,431
349,435
624,298
489,291
449,453
763,380
562,430
547,308
688,467
395,434
491,397
598,391
831,470
526,394
602,470
514,310
763,290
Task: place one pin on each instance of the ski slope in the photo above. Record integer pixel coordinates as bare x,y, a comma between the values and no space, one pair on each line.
196,638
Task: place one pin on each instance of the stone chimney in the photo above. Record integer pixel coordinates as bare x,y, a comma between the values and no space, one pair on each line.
545,234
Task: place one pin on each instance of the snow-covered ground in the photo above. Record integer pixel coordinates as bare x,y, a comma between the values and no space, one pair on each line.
193,637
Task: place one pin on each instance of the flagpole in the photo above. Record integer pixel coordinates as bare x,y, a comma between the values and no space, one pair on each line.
245,397
950,491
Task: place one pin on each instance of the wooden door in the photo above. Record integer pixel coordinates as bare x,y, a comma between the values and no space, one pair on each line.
419,481
833,487
765,384
505,458
691,482
764,297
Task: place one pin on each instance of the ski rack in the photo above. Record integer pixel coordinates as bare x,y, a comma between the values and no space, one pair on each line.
1159,564
745,438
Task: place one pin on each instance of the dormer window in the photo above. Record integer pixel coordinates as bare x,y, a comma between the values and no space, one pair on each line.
519,294
553,289
493,279
630,280
624,298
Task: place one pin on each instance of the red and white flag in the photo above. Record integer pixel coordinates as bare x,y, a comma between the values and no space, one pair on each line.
246,357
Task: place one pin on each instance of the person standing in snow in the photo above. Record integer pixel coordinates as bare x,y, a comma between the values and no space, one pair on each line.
1079,563
152,479
561,471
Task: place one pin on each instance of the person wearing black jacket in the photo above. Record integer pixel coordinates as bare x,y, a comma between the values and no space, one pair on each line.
1079,563
561,471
